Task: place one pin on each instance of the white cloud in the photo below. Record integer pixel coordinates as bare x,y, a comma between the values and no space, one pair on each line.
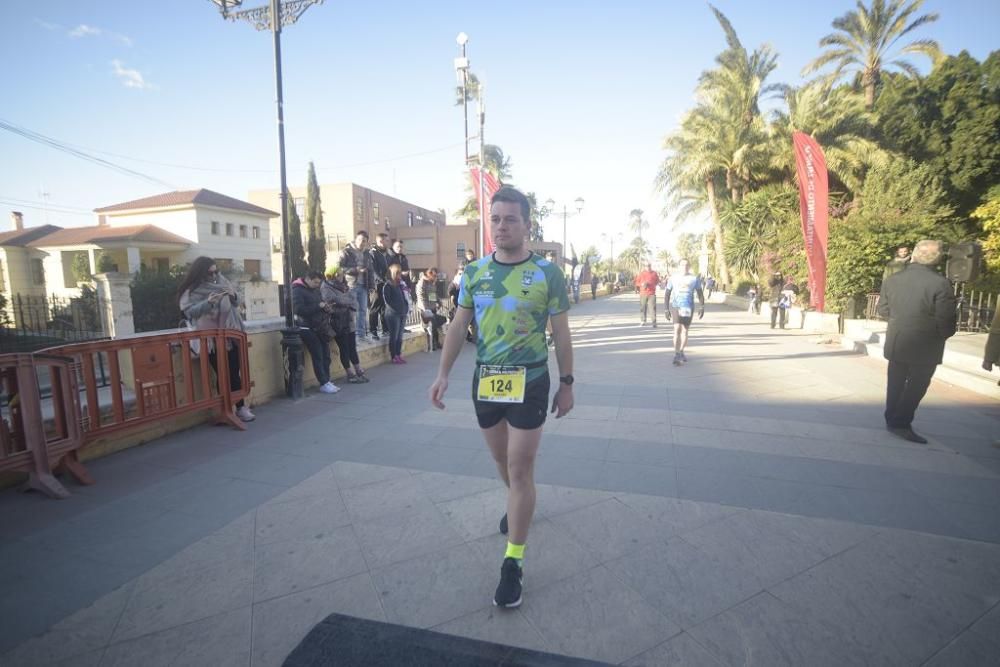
84,30
130,78
49,26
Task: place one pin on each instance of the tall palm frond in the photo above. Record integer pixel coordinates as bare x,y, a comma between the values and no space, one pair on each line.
866,39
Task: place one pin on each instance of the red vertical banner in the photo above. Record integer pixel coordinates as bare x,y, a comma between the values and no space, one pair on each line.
490,185
810,165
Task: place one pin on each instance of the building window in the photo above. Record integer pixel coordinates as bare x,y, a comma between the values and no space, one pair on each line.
2,282
300,206
409,218
215,228
460,249
255,233
224,265
243,231
229,229
375,212
359,209
420,246
252,266
162,264
37,272
276,244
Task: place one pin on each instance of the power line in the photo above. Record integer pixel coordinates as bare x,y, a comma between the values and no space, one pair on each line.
43,208
174,165
66,148
43,204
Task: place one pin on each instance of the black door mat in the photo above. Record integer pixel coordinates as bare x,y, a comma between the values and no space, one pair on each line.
346,641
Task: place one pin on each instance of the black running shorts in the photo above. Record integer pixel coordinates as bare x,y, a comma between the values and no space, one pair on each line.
527,415
676,316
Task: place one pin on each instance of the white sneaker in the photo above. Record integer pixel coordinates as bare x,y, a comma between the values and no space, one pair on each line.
245,415
329,388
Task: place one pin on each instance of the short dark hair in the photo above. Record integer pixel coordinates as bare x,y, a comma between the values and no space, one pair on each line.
313,275
361,232
393,241
382,235
514,196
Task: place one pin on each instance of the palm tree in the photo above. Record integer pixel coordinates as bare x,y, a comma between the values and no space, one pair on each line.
498,164
636,222
837,119
471,91
867,36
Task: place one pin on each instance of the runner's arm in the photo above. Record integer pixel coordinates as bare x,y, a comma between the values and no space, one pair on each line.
562,403
701,300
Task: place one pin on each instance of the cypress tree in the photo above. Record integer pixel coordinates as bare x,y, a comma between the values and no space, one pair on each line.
316,241
296,254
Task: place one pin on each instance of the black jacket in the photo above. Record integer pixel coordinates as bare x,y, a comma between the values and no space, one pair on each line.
395,302
920,306
306,305
380,266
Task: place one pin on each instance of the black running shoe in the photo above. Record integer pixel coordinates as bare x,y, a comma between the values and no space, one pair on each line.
509,589
503,524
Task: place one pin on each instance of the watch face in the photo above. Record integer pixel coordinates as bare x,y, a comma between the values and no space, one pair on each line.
566,379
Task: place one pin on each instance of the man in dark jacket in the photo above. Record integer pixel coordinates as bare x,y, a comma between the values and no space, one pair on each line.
312,316
899,262
919,304
379,254
356,265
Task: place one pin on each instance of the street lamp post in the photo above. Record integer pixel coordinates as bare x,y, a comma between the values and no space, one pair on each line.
551,204
273,17
462,70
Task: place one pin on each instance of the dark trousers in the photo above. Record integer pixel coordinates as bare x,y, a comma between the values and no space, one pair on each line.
907,384
376,313
319,353
780,314
347,345
647,304
233,355
395,324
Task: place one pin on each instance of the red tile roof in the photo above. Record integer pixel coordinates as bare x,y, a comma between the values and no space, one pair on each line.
105,234
181,197
22,237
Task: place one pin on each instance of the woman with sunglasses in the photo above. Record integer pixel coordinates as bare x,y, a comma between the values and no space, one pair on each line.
209,301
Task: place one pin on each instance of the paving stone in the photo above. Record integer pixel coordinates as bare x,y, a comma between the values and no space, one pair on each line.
684,584
396,537
222,640
497,626
476,515
436,588
594,615
609,529
85,631
674,515
165,600
299,518
441,487
765,631
280,623
349,475
678,651
295,564
395,496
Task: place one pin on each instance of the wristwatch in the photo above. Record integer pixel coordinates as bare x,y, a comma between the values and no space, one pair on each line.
566,379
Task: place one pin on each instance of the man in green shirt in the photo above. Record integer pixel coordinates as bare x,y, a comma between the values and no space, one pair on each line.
512,294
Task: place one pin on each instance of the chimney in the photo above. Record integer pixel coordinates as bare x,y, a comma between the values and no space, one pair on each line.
17,220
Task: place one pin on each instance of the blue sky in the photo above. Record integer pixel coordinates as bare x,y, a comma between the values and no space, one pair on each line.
578,94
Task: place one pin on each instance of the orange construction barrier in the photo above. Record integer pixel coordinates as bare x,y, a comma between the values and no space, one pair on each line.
101,387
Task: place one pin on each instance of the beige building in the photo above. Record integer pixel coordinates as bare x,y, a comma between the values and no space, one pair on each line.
349,208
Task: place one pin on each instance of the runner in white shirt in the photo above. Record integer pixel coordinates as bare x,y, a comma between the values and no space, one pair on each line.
681,289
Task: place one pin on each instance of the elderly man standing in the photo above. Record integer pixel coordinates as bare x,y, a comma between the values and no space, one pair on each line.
919,304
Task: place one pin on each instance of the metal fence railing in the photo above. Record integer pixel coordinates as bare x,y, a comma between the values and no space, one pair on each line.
975,308
33,322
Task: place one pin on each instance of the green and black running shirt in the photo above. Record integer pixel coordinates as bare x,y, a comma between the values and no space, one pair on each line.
512,304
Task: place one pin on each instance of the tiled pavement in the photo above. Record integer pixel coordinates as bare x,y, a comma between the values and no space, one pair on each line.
747,508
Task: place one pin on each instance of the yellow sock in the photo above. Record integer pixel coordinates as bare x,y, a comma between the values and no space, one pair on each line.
515,551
